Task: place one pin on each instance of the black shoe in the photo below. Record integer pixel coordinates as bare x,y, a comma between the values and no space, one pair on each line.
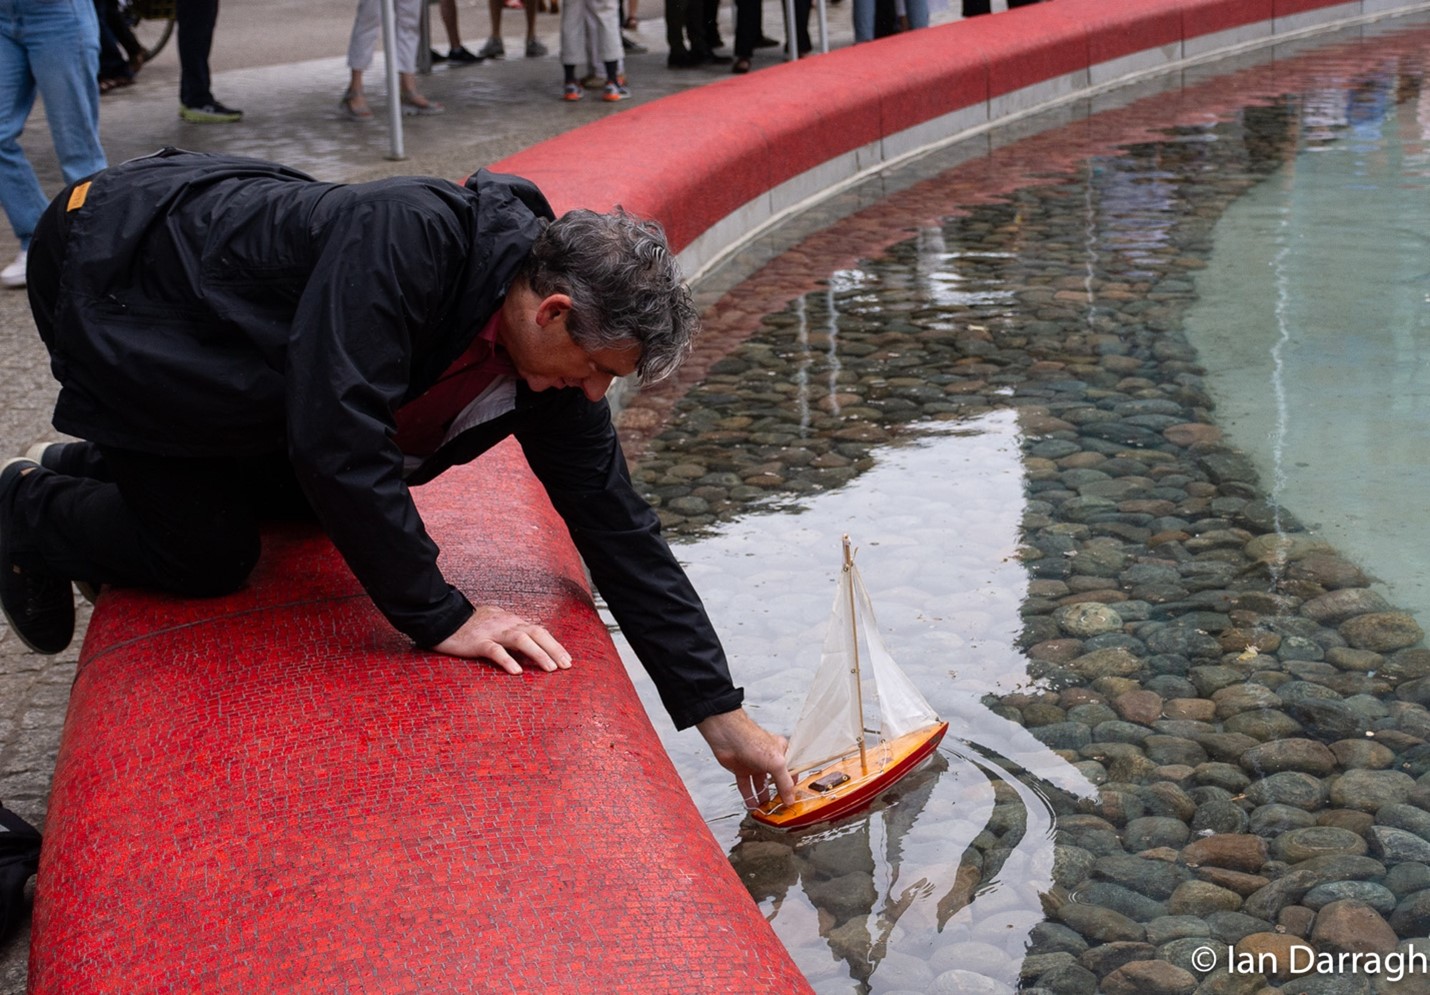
681,59
767,42
718,60
211,113
37,603
435,56
463,56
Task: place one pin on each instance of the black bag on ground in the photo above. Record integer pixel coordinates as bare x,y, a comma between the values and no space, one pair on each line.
19,859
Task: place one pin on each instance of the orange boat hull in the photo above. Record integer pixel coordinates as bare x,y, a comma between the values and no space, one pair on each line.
888,763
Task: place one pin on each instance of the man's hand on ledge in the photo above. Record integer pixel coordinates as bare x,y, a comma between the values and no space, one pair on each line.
492,632
754,756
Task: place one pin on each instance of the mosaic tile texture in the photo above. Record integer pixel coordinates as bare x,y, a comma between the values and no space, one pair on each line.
274,792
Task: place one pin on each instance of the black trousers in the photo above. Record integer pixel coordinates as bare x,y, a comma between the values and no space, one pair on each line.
196,20
110,515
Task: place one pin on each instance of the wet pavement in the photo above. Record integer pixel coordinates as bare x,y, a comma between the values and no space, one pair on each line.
288,82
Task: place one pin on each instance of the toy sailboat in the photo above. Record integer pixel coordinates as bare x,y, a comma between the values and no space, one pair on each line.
838,764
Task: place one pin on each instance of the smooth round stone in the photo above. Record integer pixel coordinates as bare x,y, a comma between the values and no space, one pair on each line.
1411,818
1412,916
1118,731
1087,619
1196,709
1102,960
1396,846
1327,719
1100,925
1166,797
1041,713
1299,691
1173,750
1263,724
1288,788
1305,755
961,982
1349,819
1150,977
1352,925
1335,607
1382,632
1300,649
1220,817
1377,896
1222,775
1408,878
1092,713
1229,926
1362,754
1112,662
1154,878
1063,735
1121,899
1045,937
1242,852
1199,898
1369,790
1238,881
1270,820
1316,841
900,970
1169,928
1225,746
1150,832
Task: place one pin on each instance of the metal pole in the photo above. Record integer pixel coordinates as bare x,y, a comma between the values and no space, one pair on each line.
823,28
394,90
424,39
791,45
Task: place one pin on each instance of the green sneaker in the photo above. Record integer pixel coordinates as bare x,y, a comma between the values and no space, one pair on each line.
212,113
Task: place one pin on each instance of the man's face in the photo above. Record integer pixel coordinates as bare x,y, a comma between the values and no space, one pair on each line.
546,356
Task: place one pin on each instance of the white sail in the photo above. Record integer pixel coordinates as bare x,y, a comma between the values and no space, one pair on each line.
829,725
902,709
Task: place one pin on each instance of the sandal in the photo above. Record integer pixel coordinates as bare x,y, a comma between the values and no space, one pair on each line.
414,104
352,113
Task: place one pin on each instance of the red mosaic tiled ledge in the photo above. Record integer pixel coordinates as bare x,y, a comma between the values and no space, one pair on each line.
274,792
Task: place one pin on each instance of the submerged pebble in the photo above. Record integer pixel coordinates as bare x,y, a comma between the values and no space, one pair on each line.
1250,714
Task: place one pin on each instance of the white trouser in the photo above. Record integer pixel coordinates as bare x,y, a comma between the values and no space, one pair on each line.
574,31
367,28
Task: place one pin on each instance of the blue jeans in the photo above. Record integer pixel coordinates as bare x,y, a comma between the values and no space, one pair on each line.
917,10
49,47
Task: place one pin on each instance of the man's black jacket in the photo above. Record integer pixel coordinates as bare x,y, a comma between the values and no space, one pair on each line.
216,305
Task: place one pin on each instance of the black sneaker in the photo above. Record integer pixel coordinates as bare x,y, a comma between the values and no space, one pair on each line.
214,113
463,56
37,603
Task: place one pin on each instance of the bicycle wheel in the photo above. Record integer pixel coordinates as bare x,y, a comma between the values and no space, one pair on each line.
152,32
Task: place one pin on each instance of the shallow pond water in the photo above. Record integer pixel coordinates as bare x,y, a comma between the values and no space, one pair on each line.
1182,721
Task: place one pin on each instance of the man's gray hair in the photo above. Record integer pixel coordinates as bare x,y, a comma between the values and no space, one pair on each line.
624,283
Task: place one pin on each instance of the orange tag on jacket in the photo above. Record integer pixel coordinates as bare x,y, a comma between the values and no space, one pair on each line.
77,196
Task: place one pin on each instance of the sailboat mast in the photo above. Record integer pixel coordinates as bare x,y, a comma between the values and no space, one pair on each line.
854,640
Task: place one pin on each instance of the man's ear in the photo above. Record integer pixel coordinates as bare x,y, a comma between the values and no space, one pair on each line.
553,307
